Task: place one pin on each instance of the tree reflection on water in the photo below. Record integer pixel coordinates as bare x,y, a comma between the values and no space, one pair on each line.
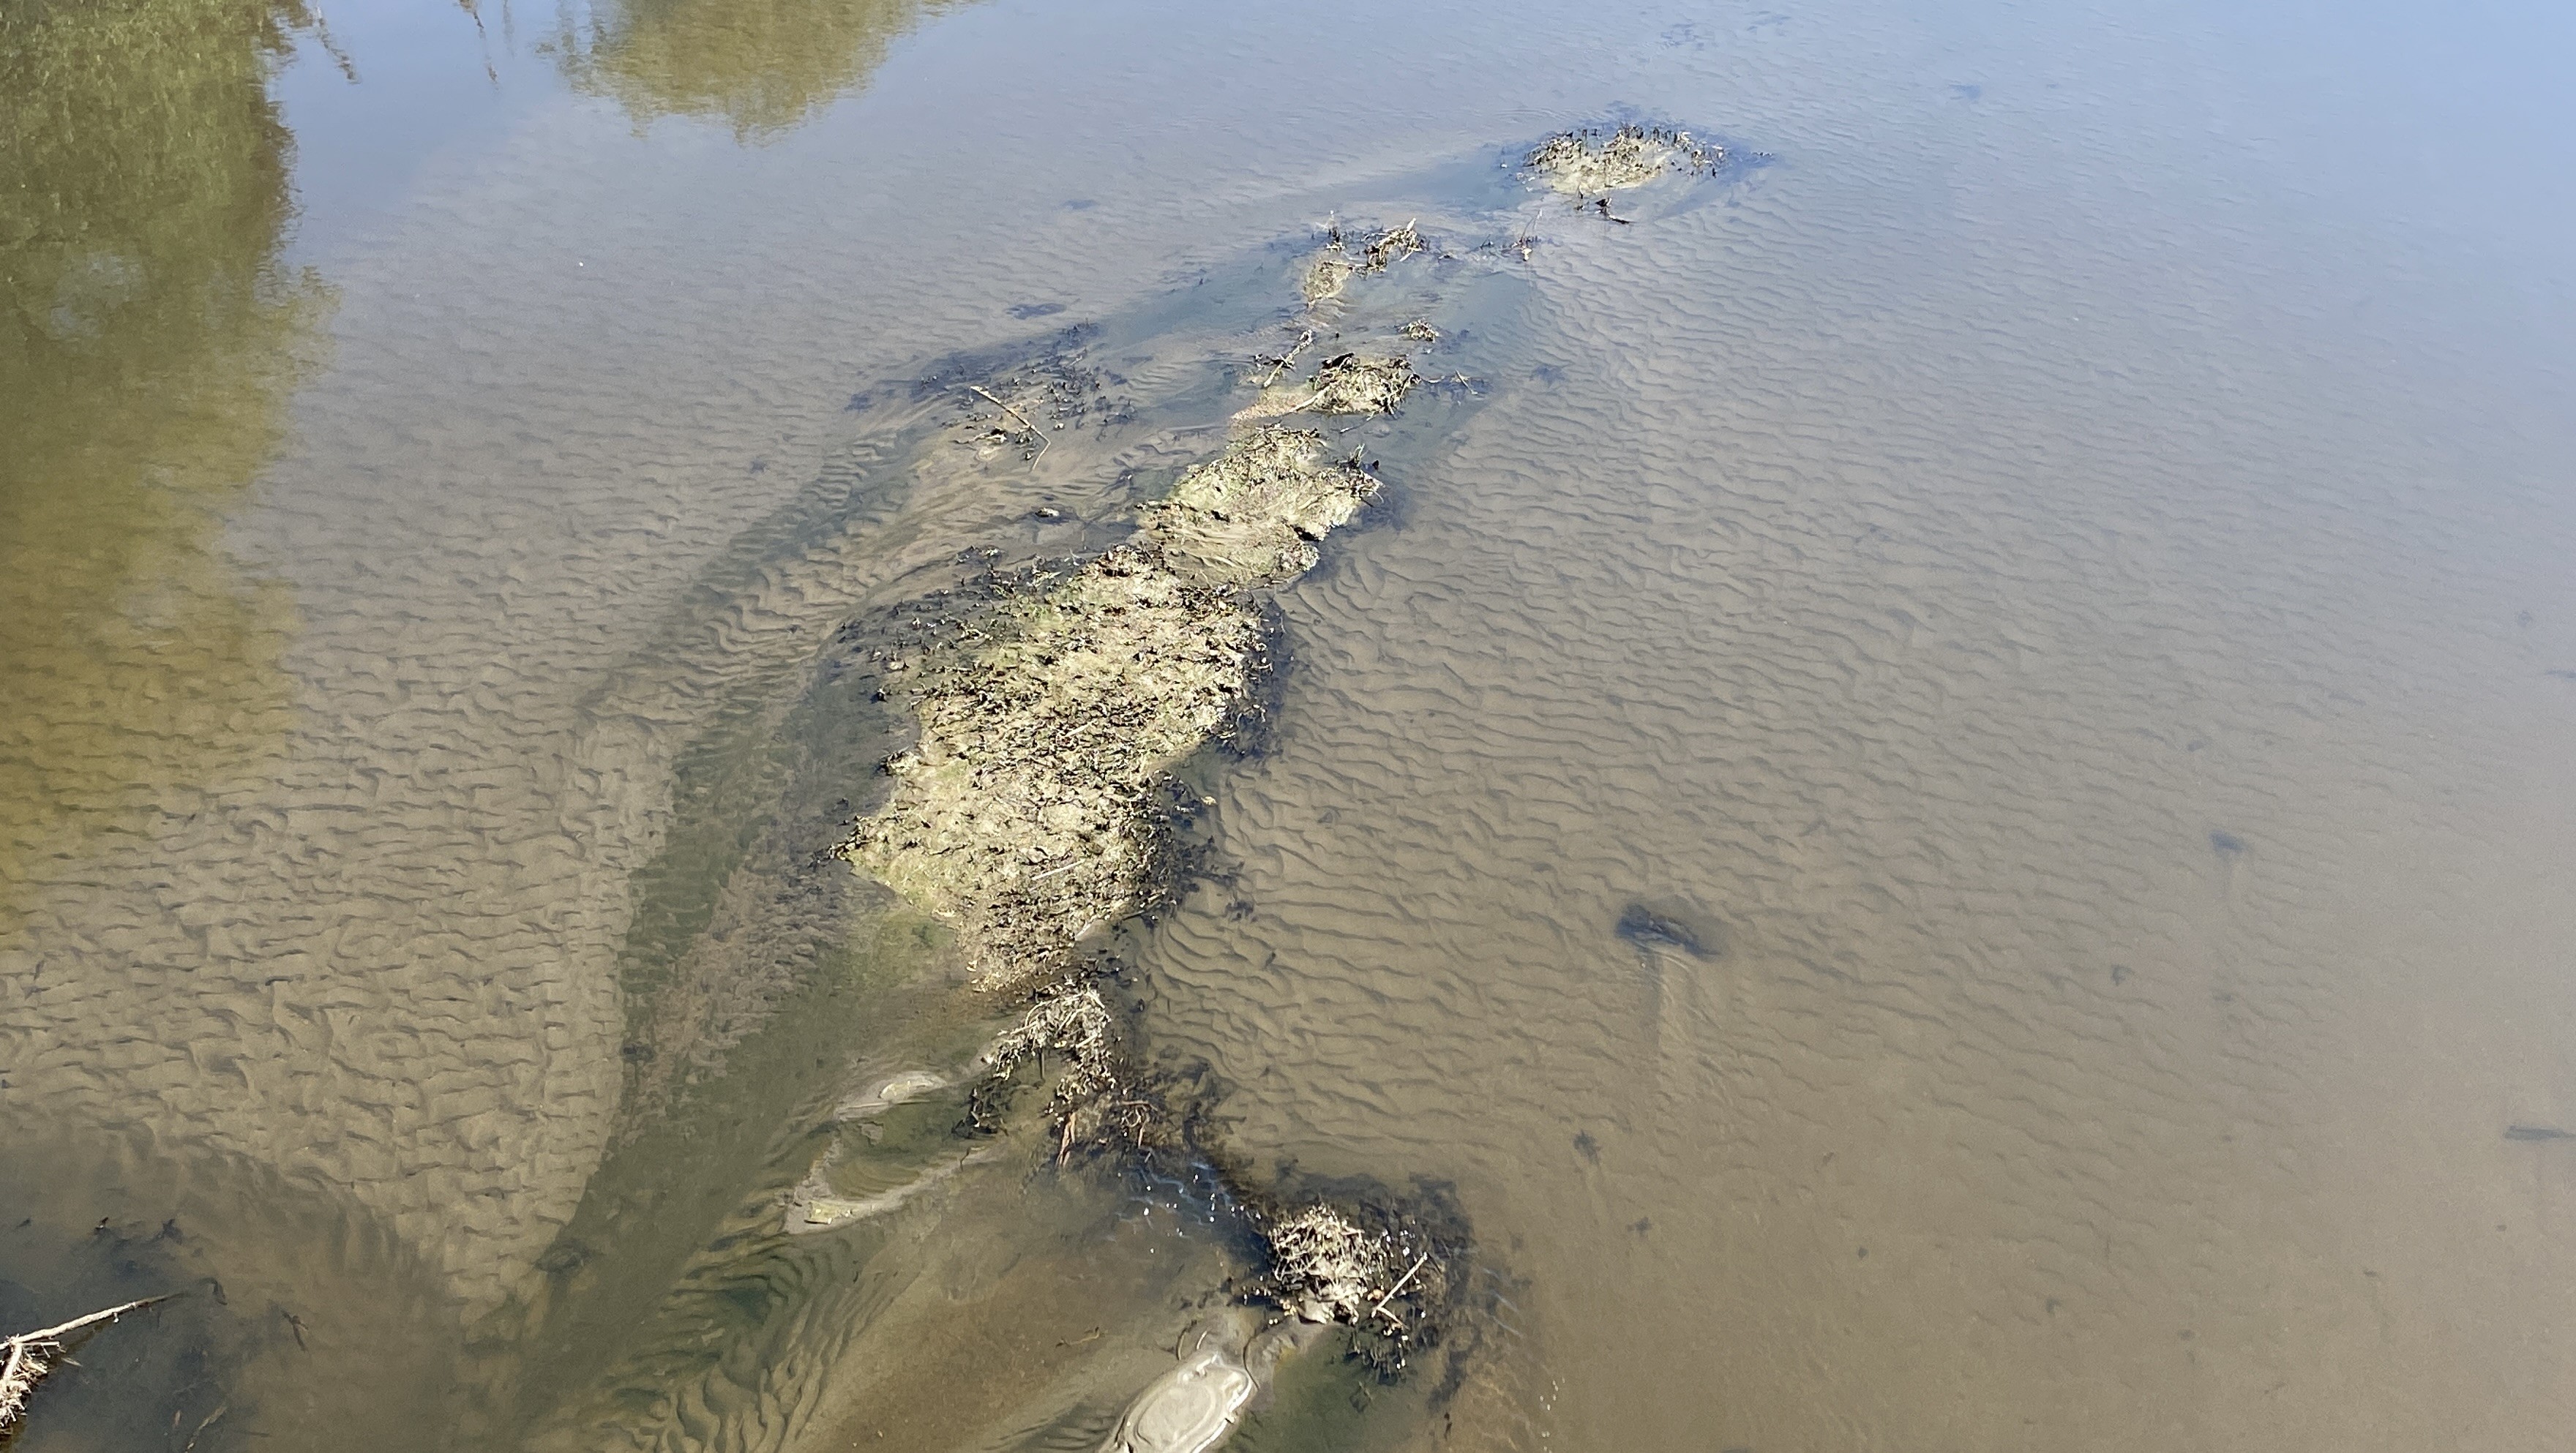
149,343
760,66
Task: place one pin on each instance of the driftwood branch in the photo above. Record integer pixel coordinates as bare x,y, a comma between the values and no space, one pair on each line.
1016,414
32,1355
1419,1262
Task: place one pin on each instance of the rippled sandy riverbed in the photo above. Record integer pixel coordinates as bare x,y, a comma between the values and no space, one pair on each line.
2041,606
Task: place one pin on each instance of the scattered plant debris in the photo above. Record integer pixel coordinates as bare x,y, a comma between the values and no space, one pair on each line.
1333,269
1035,401
1391,246
1352,383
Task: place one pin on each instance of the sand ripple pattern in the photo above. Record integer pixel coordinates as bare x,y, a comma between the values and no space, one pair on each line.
2113,797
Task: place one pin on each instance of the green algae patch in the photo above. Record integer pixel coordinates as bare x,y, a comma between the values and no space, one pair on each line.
1590,161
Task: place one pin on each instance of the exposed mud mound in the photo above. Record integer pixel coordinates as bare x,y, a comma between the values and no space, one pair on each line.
1250,517
1038,808
1589,161
1352,383
1028,814
1025,816
1333,269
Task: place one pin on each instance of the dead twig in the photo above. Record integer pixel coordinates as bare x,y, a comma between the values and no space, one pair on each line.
33,1355
1033,429
1281,364
1418,1263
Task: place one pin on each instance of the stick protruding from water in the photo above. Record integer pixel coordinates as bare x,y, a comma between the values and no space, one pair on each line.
32,1355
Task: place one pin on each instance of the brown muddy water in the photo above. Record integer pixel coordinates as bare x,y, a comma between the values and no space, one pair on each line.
1935,804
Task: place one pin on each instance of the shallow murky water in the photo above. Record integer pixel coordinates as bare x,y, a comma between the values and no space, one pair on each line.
1938,797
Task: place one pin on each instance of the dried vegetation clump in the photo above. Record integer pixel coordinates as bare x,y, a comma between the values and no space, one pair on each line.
1351,383
1333,269
1328,1268
1101,1100
1582,163
1371,1267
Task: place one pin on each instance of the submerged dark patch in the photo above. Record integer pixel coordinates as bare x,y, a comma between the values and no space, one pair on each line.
1670,928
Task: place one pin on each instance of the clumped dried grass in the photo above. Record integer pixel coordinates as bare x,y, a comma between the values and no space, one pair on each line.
1336,265
1072,1023
1101,1100
1353,383
1582,163
1326,1268
1368,1267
